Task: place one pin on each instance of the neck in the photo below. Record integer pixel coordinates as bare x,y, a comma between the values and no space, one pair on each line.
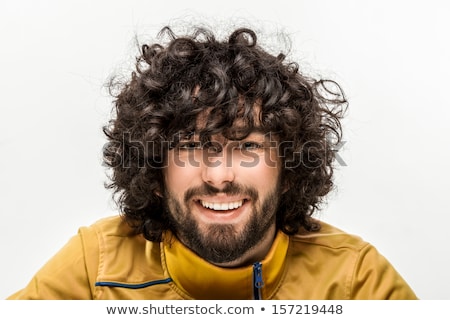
196,278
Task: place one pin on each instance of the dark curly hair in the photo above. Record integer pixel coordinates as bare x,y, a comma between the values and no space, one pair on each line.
162,101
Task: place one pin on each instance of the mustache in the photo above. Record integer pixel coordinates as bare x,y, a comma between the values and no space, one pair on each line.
231,189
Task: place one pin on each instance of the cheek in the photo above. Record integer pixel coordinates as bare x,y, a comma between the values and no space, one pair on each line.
262,176
178,175
269,168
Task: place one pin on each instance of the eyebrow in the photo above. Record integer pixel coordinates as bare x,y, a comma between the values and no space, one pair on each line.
258,129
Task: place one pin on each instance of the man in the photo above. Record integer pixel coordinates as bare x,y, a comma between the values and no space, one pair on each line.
220,153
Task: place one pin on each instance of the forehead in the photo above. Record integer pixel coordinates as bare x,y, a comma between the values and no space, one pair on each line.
231,120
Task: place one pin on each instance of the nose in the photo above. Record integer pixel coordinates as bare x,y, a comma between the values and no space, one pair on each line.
217,170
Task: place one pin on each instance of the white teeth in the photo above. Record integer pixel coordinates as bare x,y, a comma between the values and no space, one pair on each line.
222,205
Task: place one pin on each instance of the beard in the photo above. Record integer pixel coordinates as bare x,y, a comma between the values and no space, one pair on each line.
221,243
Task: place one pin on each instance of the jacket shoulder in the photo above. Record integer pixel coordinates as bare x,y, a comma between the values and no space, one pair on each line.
331,237
358,270
124,256
111,226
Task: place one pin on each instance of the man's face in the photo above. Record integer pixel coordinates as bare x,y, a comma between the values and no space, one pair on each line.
222,197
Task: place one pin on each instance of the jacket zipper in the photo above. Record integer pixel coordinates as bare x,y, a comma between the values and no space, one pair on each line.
258,282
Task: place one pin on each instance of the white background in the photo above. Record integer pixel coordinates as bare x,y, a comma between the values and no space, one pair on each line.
391,57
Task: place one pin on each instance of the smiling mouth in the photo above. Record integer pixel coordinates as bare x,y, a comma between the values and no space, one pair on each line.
222,206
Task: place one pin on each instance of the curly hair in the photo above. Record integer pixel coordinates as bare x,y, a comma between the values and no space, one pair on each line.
161,101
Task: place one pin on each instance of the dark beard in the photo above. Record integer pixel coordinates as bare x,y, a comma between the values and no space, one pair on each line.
221,243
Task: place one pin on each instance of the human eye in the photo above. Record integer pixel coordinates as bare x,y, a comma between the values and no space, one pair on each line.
250,145
213,147
188,145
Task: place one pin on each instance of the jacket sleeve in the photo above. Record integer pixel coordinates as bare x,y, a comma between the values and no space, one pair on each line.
375,278
68,275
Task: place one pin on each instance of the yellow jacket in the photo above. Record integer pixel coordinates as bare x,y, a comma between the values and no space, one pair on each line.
108,261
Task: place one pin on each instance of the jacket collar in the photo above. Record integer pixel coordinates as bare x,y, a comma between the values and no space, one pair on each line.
196,278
